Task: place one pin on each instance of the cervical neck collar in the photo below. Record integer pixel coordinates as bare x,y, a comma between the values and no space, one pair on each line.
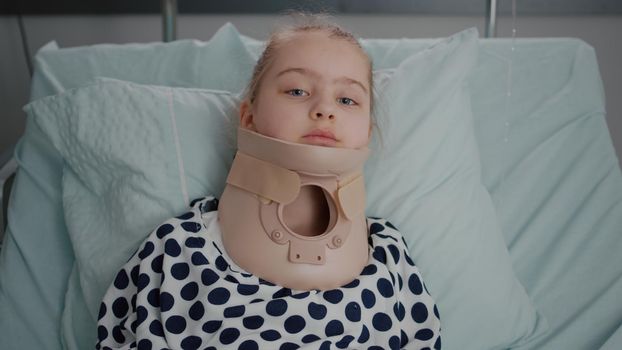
266,176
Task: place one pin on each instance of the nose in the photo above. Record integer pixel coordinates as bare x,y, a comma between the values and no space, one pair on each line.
322,110
319,115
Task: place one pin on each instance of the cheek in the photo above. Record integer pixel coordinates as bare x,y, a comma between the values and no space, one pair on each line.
359,133
276,122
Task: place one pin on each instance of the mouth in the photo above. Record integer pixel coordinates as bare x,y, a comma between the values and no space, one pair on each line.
321,138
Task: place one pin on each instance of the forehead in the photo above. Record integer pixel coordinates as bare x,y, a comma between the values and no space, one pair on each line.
319,52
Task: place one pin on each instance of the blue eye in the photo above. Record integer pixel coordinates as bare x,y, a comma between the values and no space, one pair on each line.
346,101
297,92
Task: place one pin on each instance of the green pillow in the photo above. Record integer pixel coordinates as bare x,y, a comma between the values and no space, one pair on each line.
135,154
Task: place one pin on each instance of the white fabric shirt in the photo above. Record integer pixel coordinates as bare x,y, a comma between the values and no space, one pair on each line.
180,290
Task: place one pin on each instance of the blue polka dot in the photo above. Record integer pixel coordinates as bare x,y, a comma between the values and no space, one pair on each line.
153,297
191,226
333,296
344,342
102,311
134,274
133,302
218,296
325,345
155,327
267,283
164,230
288,346
382,322
147,250
209,277
270,335
395,253
369,270
186,216
403,338
355,283
211,326
253,322
414,284
364,336
419,312
294,324
353,311
156,263
390,225
166,301
437,343
334,327
231,279
234,311
198,259
143,281
385,287
122,280
375,228
310,338
144,344
117,334
172,248
247,289
424,334
195,242
282,293
191,343
368,298
141,315
102,333
375,347
399,310
436,312
394,342
197,310
229,335
190,291
221,263
120,307
409,260
380,255
400,282
180,270
276,307
175,324
316,311
248,345
301,295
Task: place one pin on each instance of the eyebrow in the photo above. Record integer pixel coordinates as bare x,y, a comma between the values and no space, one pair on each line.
313,74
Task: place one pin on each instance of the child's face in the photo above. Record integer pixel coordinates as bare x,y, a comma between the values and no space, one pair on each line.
316,91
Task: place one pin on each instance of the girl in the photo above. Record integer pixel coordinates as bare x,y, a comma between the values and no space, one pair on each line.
287,259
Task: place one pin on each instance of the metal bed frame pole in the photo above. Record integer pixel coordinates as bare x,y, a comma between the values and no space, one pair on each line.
169,20
491,18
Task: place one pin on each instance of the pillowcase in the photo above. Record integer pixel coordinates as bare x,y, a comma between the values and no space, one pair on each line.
34,255
135,154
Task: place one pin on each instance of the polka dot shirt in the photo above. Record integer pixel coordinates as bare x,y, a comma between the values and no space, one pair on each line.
180,290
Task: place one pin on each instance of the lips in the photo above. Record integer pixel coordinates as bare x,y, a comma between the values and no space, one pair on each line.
321,137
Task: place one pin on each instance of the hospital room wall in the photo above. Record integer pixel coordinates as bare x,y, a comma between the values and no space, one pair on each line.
602,32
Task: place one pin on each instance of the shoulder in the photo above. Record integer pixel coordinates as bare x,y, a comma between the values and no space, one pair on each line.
187,224
383,229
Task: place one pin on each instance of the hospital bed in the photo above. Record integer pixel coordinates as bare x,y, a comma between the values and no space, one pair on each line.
543,154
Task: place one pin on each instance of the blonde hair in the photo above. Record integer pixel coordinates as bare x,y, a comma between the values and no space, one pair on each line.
303,23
